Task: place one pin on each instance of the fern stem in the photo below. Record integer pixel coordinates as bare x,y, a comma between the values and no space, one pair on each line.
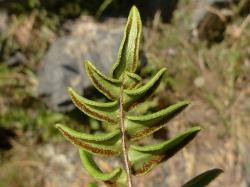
124,141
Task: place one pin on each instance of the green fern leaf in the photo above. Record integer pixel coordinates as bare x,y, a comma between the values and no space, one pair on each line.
94,170
141,93
145,158
128,54
143,125
100,137
105,144
132,81
97,110
203,179
117,177
126,90
107,86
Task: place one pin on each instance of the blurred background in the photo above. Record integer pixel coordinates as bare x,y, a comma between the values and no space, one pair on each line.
205,46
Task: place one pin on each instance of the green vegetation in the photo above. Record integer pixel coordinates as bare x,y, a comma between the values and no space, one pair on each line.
126,90
25,112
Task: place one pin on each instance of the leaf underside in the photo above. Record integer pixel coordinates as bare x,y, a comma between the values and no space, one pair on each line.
145,158
100,111
128,54
144,125
108,86
135,96
107,144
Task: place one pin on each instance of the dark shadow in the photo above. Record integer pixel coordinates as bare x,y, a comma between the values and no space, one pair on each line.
5,136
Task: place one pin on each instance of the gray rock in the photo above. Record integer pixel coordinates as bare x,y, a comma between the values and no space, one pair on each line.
62,66
60,165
